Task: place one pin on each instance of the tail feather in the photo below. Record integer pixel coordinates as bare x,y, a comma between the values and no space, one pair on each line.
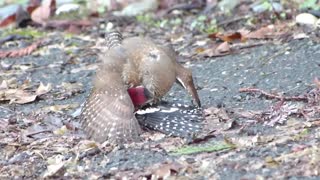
113,39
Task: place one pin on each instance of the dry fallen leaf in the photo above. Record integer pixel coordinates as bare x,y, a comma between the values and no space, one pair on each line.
235,36
56,163
16,96
20,96
262,33
8,20
4,85
167,170
42,89
216,50
42,13
224,48
13,14
270,31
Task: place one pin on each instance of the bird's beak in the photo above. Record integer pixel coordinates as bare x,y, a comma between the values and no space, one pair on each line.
184,78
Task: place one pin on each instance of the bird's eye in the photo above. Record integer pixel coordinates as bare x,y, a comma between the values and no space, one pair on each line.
154,56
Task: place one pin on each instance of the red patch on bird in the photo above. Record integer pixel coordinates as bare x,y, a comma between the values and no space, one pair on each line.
138,96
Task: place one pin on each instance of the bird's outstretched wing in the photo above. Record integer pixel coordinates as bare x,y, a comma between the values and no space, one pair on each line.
108,114
172,119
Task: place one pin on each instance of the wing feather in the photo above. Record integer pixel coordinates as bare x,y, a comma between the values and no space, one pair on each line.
108,114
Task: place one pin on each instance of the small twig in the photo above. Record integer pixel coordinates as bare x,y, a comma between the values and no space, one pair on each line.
273,96
90,152
10,144
23,51
38,132
245,46
226,22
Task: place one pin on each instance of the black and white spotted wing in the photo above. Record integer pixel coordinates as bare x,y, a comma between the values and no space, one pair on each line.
172,119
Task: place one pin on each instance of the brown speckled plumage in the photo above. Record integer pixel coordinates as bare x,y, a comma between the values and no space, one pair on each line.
108,114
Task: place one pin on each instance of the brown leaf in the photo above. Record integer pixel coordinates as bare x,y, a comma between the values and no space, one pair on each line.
224,48
66,24
42,13
216,51
167,170
32,5
19,15
8,20
235,36
261,33
228,37
199,50
268,32
214,35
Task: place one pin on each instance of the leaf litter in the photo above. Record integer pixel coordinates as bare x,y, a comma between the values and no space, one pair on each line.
20,96
45,143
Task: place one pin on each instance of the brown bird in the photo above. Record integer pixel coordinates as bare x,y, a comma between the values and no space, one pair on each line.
109,113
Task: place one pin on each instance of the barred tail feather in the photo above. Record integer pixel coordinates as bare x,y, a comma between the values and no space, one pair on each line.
113,39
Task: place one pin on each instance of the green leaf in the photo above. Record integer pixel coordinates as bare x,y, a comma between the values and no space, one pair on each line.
199,149
24,32
309,4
